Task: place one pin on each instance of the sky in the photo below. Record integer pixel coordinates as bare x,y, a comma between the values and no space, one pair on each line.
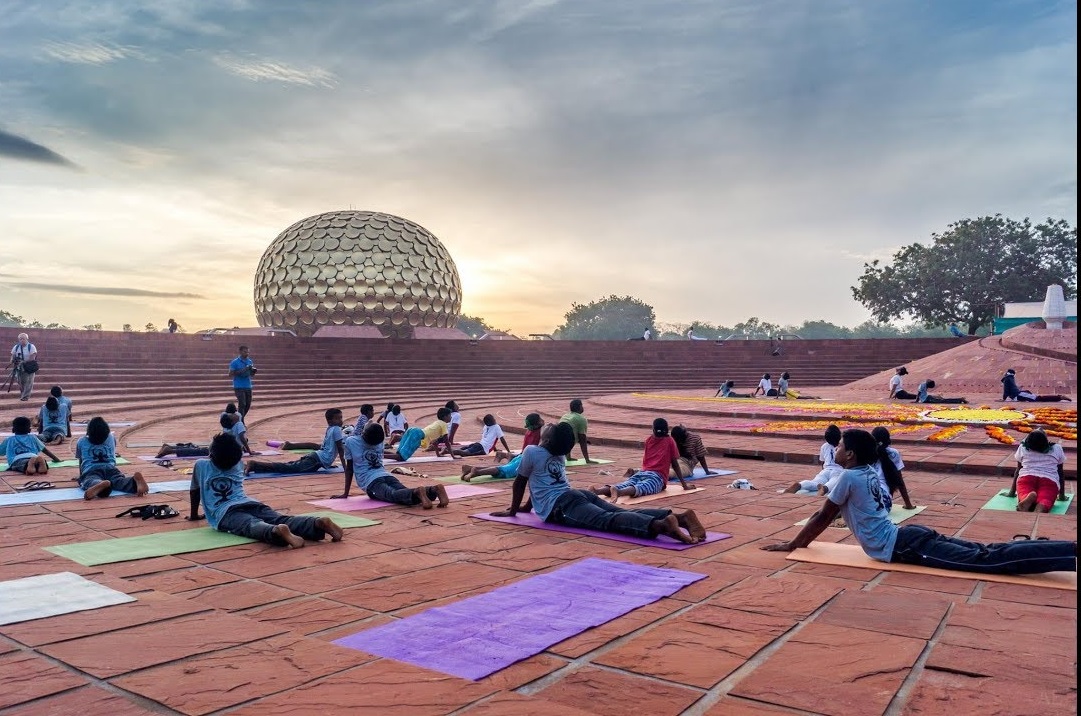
718,159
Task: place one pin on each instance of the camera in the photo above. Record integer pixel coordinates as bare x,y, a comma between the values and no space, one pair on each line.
253,370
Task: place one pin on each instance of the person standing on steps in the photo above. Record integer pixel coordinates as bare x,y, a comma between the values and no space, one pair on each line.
24,362
241,371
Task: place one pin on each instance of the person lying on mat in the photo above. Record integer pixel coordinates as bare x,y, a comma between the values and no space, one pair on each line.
534,424
858,496
488,437
725,391
453,423
923,394
577,420
419,438
544,470
1038,481
660,456
233,425
322,455
219,484
24,451
830,468
364,463
1011,391
692,452
98,473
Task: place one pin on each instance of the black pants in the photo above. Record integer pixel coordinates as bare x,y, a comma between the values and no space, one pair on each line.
243,401
905,395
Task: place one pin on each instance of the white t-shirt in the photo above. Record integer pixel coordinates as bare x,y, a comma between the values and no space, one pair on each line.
895,458
24,352
825,456
396,423
895,383
489,435
1040,464
455,419
766,385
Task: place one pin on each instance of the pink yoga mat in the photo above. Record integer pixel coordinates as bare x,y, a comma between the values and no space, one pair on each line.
528,519
363,502
483,634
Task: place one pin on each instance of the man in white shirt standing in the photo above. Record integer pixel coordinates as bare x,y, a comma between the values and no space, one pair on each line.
21,353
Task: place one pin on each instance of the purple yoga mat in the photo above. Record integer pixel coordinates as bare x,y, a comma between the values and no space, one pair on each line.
529,519
483,634
363,502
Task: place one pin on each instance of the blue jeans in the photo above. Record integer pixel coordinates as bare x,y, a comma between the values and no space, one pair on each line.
308,463
921,545
257,521
390,489
583,509
117,481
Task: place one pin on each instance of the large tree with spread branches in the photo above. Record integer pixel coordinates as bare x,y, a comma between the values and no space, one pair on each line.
969,270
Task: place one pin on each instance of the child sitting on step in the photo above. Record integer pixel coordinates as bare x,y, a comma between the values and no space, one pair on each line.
98,473
364,463
219,484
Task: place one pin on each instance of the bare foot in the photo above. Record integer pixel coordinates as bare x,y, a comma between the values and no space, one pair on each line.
97,489
629,471
690,522
604,490
425,501
247,468
163,451
822,490
670,526
791,490
467,473
291,540
141,488
327,525
1028,504
444,499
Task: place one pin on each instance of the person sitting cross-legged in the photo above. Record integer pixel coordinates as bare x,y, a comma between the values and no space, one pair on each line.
858,495
544,471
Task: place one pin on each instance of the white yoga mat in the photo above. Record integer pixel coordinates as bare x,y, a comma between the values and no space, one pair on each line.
48,595
63,494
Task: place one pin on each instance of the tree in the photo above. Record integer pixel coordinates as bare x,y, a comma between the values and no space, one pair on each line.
150,328
473,326
971,269
126,328
612,318
92,327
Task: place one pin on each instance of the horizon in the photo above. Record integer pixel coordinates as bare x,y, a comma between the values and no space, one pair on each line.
717,161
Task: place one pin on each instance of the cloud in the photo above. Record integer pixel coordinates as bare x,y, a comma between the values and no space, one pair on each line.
259,70
101,290
16,147
88,53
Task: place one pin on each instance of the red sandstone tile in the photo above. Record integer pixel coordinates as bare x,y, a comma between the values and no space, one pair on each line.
672,650
885,611
380,688
184,580
719,576
310,615
225,678
118,652
26,677
329,577
149,607
607,693
417,587
833,670
735,706
596,637
929,583
146,566
86,701
856,574
240,595
938,692
523,672
512,704
274,560
793,596
993,591
416,536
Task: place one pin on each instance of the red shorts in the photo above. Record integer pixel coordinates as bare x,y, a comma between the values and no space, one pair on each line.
1046,490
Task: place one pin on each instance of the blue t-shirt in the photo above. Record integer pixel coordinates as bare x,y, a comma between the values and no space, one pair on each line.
220,490
547,475
367,461
92,457
329,451
18,447
237,430
862,500
242,380
921,393
55,419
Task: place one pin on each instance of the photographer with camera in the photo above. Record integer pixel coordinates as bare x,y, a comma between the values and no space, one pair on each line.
241,371
24,365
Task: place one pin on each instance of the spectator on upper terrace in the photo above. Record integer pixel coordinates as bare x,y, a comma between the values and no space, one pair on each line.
24,364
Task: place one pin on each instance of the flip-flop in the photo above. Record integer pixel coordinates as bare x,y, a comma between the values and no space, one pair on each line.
1045,539
162,512
1020,538
34,485
143,511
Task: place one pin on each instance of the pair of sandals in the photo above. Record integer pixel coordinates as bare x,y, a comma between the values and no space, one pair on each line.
36,485
158,512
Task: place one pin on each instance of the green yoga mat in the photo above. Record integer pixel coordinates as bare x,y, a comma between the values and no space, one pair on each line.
66,463
126,549
898,514
580,462
1002,502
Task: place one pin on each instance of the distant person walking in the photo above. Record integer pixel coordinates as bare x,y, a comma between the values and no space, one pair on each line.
24,363
241,371
173,326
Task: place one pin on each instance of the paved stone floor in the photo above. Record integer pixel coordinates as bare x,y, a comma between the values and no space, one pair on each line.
248,629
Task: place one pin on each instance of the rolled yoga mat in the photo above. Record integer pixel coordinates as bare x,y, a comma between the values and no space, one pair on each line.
480,635
529,519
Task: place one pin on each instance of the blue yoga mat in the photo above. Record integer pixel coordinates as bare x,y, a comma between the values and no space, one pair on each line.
483,634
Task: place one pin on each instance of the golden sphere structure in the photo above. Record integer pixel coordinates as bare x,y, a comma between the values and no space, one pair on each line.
357,268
